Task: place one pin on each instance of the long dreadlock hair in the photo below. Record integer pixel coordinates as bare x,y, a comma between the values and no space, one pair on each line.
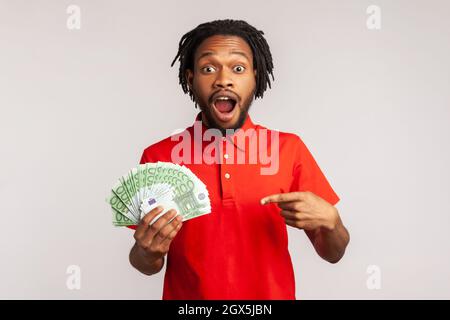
262,58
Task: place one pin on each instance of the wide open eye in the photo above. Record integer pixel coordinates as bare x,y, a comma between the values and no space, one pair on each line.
239,69
208,69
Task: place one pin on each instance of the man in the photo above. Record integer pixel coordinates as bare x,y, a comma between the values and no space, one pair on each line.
240,249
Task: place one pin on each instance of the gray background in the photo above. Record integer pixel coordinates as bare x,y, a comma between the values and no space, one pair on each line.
79,106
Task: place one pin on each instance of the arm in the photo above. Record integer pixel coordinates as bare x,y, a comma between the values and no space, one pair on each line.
143,263
330,243
153,241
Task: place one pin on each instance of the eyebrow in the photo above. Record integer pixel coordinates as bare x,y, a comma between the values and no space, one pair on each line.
212,53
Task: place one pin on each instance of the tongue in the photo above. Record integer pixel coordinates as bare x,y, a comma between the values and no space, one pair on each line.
224,105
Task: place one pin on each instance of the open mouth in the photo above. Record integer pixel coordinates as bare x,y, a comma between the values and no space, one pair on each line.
224,107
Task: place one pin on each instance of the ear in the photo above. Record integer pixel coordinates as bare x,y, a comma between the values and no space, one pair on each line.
255,72
189,78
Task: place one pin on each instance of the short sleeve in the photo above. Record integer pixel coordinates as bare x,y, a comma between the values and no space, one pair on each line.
307,176
144,158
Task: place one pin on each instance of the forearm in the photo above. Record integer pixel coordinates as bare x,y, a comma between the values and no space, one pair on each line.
330,244
142,263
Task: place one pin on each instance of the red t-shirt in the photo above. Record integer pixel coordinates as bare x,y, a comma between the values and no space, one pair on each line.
240,249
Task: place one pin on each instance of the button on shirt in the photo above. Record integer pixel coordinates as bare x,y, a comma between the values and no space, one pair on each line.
240,249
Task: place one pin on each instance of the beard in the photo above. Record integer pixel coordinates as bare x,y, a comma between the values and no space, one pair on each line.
205,107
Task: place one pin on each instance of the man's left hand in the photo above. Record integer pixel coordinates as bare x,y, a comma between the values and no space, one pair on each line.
305,210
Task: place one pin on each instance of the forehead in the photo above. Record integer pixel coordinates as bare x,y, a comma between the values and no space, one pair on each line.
223,45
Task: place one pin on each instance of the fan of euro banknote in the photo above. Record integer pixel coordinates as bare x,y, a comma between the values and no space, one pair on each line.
158,184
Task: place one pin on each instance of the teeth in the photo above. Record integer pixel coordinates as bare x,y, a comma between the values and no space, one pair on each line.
223,98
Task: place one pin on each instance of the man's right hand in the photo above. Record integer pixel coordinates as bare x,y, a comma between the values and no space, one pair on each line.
153,241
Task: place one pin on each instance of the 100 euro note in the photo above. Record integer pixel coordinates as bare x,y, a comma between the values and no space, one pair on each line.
188,195
158,184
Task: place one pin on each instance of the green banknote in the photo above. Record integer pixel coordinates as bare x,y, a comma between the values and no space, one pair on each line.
158,184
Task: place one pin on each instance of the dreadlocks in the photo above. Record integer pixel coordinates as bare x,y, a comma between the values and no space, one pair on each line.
262,58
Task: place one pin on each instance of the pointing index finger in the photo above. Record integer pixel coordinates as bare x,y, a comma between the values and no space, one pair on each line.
281,197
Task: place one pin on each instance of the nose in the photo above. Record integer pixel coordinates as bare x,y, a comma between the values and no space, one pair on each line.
223,80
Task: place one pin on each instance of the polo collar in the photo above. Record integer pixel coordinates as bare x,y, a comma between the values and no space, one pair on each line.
248,124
